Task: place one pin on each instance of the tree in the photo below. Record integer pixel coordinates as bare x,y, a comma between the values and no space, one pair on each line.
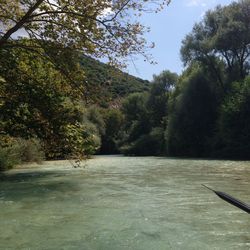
37,101
113,122
146,117
162,85
98,28
222,38
137,120
233,137
192,119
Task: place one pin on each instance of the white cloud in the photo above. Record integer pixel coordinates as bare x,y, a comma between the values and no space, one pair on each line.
199,3
107,12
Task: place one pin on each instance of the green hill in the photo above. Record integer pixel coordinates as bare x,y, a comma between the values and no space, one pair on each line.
107,85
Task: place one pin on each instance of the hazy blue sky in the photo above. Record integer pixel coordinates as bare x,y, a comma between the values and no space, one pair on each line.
168,29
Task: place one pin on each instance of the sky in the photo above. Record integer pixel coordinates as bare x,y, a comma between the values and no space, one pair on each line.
168,29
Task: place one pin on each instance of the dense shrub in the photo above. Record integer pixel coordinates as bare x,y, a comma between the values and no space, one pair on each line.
30,150
15,151
9,157
148,144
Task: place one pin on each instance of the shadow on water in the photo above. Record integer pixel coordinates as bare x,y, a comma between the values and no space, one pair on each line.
28,176
33,184
211,159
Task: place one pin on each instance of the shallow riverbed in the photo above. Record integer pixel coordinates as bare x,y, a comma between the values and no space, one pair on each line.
115,202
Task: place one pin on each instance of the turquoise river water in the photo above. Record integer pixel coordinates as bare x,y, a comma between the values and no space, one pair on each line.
115,202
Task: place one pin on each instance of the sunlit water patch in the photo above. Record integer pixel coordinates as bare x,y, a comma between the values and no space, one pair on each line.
145,203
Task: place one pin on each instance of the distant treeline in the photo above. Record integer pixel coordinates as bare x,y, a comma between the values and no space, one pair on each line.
204,112
192,119
58,104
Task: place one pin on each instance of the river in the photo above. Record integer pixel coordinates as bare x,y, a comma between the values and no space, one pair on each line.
115,202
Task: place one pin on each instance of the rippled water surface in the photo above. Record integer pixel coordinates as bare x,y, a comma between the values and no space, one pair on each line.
118,202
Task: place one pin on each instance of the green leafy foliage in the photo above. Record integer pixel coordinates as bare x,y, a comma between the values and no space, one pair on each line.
192,120
75,106
14,151
31,150
8,158
80,140
233,138
161,88
114,120
202,113
146,117
105,84
221,40
94,115
101,28
38,101
136,116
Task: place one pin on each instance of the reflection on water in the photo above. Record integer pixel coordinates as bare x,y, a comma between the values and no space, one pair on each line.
125,203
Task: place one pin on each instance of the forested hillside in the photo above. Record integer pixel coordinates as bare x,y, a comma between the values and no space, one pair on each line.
106,84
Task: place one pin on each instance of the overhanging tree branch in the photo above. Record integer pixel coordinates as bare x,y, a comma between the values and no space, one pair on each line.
20,23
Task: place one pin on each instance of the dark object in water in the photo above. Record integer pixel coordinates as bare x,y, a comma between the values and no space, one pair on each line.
231,200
